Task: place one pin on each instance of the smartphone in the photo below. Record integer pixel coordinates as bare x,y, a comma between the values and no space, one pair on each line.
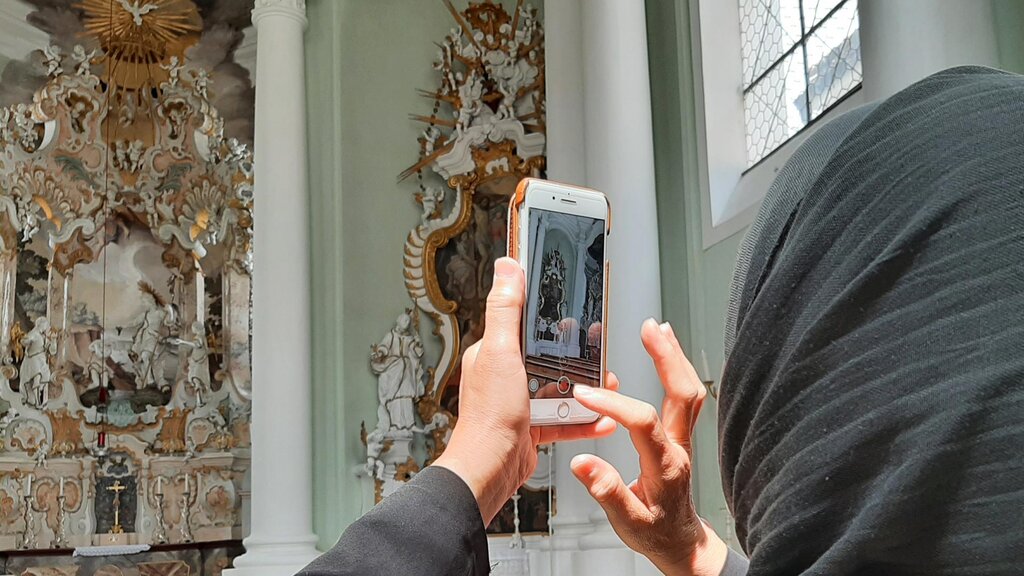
557,233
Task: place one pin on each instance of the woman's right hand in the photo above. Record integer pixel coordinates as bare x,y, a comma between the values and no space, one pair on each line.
655,515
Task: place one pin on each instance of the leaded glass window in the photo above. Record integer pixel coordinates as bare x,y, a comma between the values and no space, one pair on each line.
800,58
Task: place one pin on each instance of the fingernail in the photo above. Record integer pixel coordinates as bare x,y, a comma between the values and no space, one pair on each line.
581,462
505,268
666,329
651,321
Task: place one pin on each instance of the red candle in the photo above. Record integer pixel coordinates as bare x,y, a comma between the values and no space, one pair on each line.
101,439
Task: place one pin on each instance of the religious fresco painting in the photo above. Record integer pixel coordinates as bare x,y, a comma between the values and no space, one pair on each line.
125,263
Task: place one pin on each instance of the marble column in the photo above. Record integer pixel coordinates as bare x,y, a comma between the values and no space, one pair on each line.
620,162
281,541
606,41
902,42
563,55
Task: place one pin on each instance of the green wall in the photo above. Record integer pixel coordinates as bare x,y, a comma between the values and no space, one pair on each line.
1009,16
365,59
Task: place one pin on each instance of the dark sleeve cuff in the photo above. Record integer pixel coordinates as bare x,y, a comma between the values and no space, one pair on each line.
735,564
429,527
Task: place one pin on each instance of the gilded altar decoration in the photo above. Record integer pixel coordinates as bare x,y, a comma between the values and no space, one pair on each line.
125,262
485,132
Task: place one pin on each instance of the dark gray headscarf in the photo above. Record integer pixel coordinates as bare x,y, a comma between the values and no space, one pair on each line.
871,415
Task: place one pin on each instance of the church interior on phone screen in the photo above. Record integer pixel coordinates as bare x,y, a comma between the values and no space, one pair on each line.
245,243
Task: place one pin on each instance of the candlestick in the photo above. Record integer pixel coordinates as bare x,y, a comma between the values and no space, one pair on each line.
28,485
28,537
160,531
60,539
160,485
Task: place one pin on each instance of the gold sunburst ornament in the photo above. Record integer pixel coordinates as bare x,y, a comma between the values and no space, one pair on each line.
137,36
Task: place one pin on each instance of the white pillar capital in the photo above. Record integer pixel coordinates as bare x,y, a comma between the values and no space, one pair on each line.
292,9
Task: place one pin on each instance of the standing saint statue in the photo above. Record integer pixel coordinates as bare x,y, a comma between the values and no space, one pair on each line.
198,375
35,366
398,363
148,341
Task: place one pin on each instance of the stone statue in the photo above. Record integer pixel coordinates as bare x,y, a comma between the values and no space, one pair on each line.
148,341
52,58
96,368
470,103
433,197
398,363
35,367
173,69
201,82
198,376
84,60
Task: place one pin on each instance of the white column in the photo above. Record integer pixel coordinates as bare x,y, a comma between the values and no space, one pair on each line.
563,56
905,41
609,146
281,541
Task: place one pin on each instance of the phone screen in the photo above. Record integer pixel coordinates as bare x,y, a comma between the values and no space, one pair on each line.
563,327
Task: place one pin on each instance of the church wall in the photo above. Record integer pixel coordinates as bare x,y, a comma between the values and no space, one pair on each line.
365,61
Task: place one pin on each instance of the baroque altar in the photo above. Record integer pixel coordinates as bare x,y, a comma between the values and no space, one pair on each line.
125,260
485,132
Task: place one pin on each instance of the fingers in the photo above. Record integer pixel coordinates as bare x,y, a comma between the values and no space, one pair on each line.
606,486
682,385
505,306
640,418
604,426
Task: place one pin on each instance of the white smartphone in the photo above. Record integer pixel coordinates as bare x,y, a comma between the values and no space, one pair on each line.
557,233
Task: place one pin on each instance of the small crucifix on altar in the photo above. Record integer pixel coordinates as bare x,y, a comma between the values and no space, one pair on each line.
117,488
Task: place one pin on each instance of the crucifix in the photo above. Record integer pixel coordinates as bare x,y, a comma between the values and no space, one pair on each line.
117,488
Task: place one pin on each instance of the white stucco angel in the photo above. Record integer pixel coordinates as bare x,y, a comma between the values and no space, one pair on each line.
83,60
52,57
470,102
148,341
198,373
398,363
173,69
35,366
201,82
96,369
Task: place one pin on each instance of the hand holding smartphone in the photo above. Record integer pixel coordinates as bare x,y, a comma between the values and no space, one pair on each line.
557,233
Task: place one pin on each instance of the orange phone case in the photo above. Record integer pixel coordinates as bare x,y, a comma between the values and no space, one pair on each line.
514,205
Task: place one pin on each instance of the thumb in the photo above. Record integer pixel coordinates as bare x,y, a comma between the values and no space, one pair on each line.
605,484
505,306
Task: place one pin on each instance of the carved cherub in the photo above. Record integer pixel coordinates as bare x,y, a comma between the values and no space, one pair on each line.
201,82
84,60
173,69
52,58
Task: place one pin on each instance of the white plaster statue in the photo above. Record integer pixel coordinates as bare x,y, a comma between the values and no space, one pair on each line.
198,375
52,55
432,199
201,82
173,69
95,369
138,10
470,103
398,363
8,418
126,113
35,366
84,60
430,136
148,341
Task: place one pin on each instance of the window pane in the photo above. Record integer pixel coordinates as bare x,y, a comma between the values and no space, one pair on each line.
833,58
816,10
768,29
775,107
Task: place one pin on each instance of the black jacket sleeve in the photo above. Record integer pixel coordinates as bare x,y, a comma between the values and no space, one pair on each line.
429,527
